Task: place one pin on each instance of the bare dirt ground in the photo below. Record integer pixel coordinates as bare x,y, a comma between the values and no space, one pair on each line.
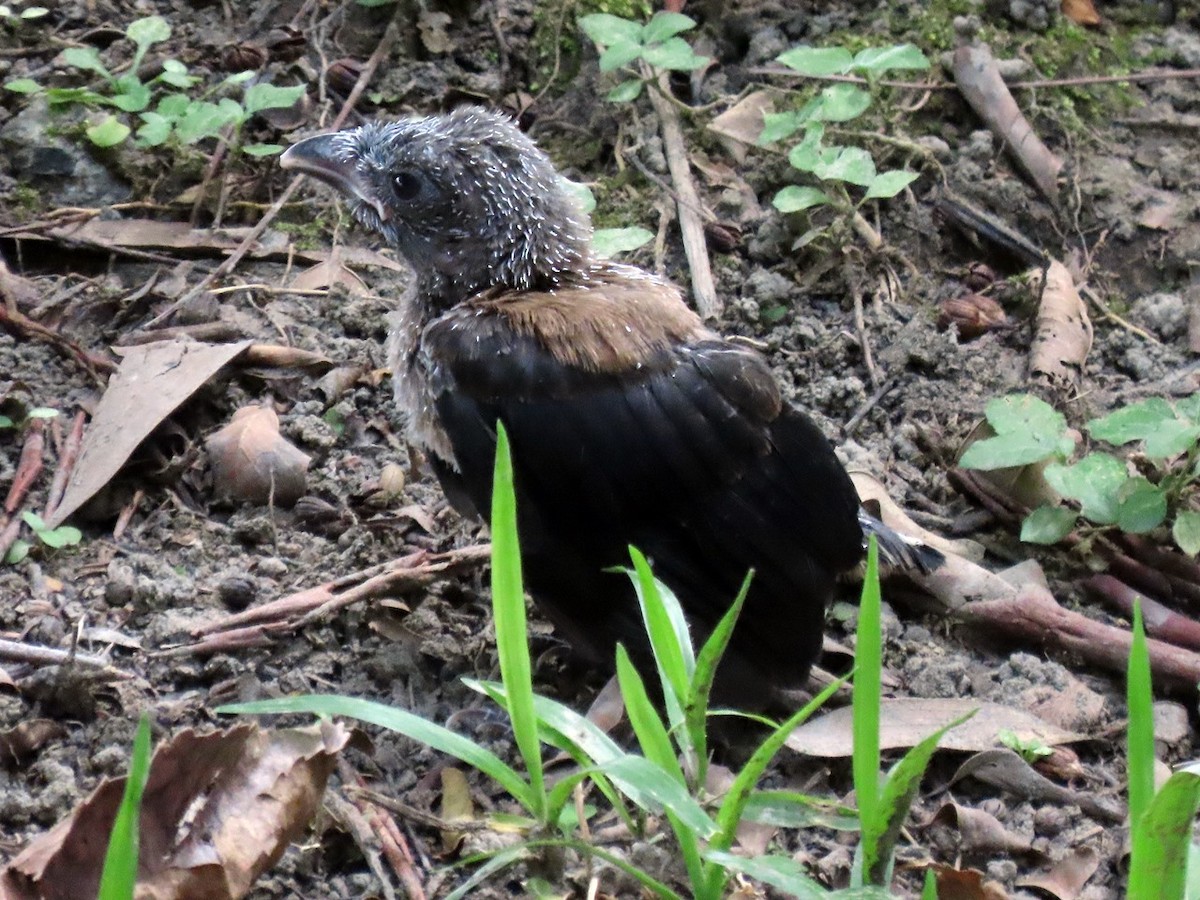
185,558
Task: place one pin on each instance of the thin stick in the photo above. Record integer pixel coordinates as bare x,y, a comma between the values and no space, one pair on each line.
708,304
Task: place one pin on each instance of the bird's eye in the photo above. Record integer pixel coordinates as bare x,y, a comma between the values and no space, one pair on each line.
406,185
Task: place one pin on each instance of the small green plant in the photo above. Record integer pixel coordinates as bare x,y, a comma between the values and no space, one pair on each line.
608,242
1101,486
847,176
54,538
9,14
1030,749
119,876
1163,860
38,412
175,114
623,43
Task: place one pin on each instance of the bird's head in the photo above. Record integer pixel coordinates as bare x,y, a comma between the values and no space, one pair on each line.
466,198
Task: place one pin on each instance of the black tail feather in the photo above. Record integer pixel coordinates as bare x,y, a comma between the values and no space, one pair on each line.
899,551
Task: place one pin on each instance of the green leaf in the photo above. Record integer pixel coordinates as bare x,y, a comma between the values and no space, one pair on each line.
62,536
675,54
817,61
202,119
1162,843
18,551
1048,524
108,133
42,412
581,192
889,184
148,31
809,153
795,198
508,610
86,58
649,729
841,103
119,875
175,74
1027,428
867,686
777,126
1141,506
874,60
705,673
34,12
625,92
1135,422
1139,731
668,630
1094,482
240,77
263,149
173,106
370,4
65,96
155,130
1189,407
852,164
22,86
608,242
606,29
656,786
665,25
270,96
33,520
929,891
7,422
895,802
1173,438
402,722
1186,531
790,809
622,53
133,97
789,876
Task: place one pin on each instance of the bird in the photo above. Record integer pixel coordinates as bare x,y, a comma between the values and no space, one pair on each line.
631,422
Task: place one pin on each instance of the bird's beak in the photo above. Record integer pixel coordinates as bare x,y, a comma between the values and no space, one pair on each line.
319,157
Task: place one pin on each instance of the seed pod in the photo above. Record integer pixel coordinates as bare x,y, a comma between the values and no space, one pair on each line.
979,276
342,74
722,237
973,314
243,57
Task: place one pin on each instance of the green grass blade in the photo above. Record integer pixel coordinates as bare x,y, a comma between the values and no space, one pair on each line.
508,610
1158,868
652,788
929,891
738,795
696,710
656,887
651,733
791,809
402,722
119,877
668,633
492,863
1140,731
868,669
787,875
879,834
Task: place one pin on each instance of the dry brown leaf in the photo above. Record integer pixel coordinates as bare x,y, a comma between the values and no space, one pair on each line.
1081,12
17,744
153,380
1066,878
251,461
1006,770
456,806
219,809
980,831
330,272
906,721
741,124
1063,337
966,884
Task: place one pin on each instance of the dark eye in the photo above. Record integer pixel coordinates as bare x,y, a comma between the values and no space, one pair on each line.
406,185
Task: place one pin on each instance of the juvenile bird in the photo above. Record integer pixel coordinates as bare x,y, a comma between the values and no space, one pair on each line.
630,421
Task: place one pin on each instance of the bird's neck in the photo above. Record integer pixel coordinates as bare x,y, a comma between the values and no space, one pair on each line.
441,288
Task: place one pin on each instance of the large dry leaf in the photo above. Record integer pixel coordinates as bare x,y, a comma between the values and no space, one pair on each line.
152,382
1005,769
1063,337
741,124
1081,12
218,811
904,722
979,831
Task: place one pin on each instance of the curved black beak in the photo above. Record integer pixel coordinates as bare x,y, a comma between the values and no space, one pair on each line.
323,157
